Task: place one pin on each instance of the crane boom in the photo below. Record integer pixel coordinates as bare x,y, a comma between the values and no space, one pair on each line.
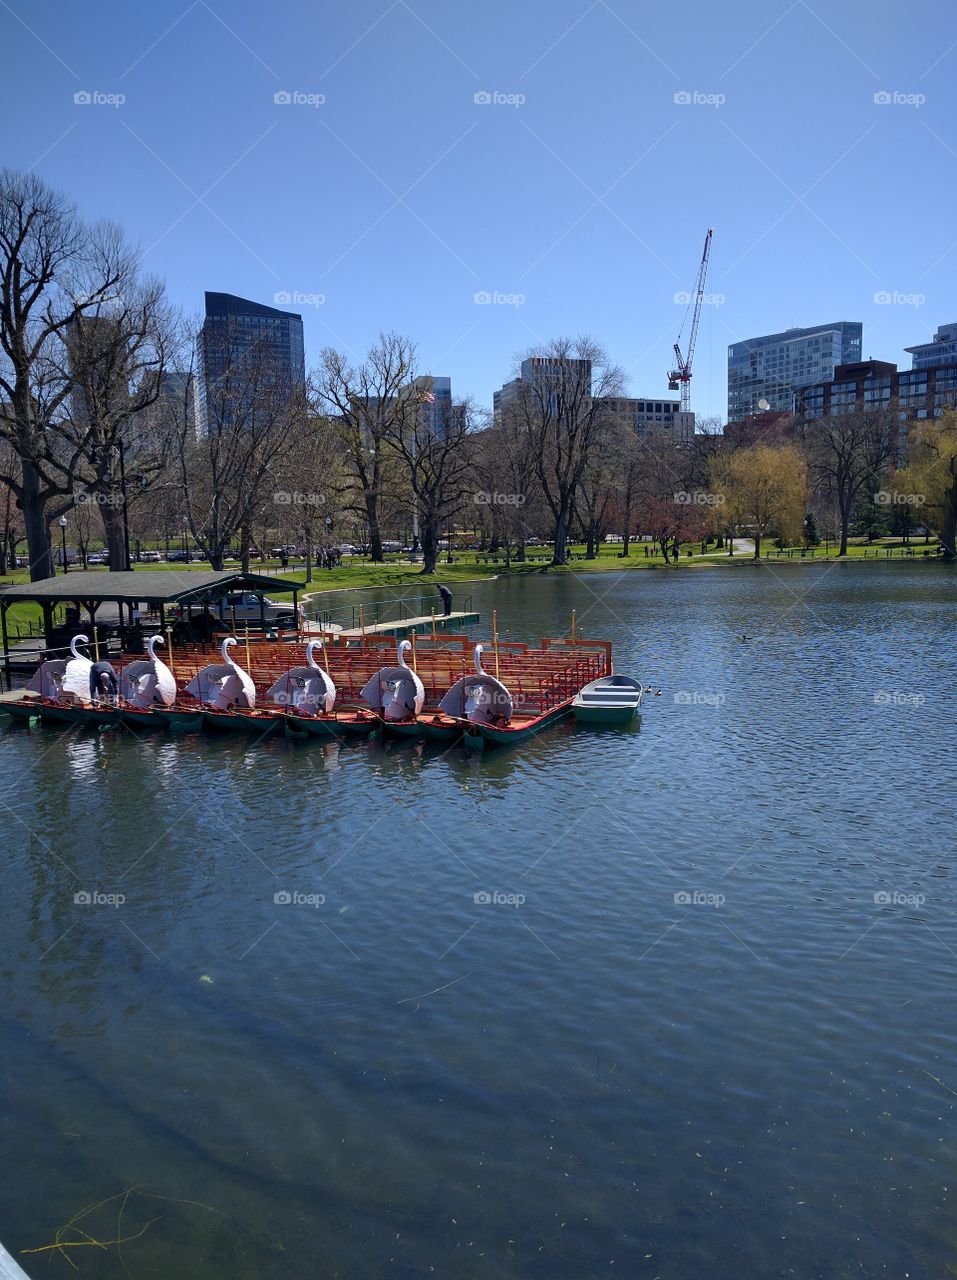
680,376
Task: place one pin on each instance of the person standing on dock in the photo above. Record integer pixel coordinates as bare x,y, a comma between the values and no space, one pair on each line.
446,595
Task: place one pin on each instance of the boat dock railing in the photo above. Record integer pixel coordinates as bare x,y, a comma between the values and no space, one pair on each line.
379,611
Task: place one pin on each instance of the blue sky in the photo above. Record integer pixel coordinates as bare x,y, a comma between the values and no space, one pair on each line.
579,195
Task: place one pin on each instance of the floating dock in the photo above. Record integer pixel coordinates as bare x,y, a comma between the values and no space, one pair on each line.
403,626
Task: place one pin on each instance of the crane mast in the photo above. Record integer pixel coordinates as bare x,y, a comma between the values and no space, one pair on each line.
679,378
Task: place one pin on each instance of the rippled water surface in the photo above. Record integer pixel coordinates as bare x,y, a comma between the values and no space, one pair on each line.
707,1029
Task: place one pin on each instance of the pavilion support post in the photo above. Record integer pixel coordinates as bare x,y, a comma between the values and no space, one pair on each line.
6,643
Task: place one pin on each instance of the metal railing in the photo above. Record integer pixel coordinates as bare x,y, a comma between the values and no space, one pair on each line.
378,611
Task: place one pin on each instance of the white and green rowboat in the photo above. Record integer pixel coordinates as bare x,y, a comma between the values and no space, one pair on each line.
610,700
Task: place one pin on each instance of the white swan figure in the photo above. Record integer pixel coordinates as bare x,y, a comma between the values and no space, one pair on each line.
47,678
396,693
479,698
223,686
309,688
148,680
76,676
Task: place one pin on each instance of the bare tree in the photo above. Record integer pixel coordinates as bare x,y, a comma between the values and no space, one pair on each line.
431,440
118,358
230,470
846,451
54,270
560,407
368,403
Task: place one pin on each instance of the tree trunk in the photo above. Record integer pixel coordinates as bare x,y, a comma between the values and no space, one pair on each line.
375,534
560,553
845,511
757,546
245,534
307,542
34,522
112,516
430,545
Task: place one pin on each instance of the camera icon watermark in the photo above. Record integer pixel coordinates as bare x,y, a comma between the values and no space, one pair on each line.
292,498
493,298
886,298
890,498
695,98
93,898
495,898
296,98
695,698
293,898
698,499
485,499
894,98
493,98
898,898
683,299
295,298
94,98
897,698
697,898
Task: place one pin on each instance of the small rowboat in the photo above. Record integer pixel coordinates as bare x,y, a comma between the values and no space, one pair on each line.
610,700
336,724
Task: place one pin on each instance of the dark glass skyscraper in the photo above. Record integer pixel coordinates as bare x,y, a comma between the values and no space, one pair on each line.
774,367
236,329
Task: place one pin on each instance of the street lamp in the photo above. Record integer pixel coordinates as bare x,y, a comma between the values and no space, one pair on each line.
62,524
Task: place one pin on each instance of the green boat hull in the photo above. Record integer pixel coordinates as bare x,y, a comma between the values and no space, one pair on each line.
179,720
237,722
491,736
605,715
141,719
328,726
60,715
23,711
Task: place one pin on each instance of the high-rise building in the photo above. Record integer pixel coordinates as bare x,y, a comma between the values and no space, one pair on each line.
653,417
766,372
542,372
237,330
943,349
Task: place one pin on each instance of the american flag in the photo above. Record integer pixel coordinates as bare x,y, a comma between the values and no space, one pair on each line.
428,397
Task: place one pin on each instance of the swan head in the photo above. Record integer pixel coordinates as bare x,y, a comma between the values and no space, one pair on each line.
311,648
75,641
400,653
151,644
225,647
477,653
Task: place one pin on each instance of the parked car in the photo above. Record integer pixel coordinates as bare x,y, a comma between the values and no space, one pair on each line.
244,607
150,557
98,557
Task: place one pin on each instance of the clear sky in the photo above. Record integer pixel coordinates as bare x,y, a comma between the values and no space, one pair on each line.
578,196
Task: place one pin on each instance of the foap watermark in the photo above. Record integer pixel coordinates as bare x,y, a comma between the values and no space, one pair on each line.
94,898
890,498
292,498
683,298
485,499
95,98
494,298
888,298
495,898
695,98
87,499
699,499
298,98
898,698
695,698
898,898
293,898
894,98
698,898
295,298
494,98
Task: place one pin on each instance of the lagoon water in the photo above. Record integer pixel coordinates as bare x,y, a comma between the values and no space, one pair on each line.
705,1026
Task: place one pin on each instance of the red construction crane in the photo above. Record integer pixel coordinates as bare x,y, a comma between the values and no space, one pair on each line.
680,375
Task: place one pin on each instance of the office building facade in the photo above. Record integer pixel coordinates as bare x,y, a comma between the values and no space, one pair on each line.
775,367
943,349
237,330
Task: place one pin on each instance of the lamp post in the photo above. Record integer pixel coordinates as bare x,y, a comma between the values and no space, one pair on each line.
62,524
